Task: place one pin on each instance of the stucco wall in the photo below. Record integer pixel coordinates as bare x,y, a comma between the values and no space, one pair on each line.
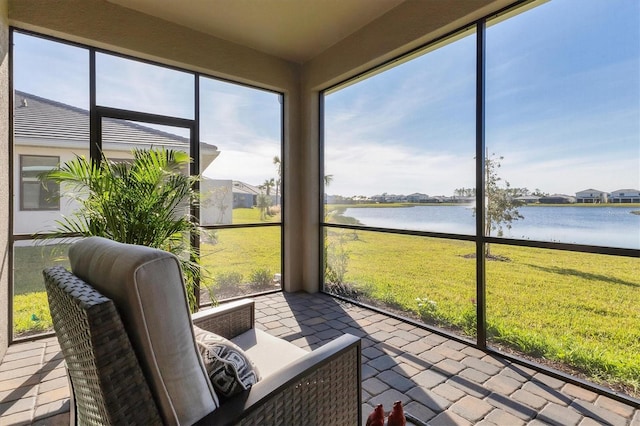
4,179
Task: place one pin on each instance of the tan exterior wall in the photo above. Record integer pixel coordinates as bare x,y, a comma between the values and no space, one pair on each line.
4,179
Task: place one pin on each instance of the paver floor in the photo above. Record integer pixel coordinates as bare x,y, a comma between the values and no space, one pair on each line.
440,381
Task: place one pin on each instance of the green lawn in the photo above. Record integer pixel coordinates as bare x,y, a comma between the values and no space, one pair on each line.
575,308
30,306
249,251
243,250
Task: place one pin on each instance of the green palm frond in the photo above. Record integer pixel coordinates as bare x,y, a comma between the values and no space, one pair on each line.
145,201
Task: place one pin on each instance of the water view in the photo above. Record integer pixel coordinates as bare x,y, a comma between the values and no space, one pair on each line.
602,226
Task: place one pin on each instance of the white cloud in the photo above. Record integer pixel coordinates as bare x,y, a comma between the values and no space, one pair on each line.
571,174
143,87
246,133
369,169
252,166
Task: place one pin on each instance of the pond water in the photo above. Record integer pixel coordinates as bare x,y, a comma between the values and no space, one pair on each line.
601,226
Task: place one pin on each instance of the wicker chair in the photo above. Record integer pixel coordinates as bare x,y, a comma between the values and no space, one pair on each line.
126,334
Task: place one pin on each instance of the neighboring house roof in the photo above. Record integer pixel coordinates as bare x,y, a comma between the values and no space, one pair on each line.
245,188
590,191
557,197
617,191
38,121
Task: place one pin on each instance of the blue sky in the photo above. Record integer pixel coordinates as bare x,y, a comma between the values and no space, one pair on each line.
563,107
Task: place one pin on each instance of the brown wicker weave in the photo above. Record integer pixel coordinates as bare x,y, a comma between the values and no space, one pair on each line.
228,320
108,385
325,395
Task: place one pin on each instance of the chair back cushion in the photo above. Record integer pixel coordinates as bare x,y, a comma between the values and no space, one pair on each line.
108,386
148,290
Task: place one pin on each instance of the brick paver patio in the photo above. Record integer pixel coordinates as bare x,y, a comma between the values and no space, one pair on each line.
440,381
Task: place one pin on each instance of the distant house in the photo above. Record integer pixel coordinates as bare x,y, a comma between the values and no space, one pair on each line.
417,197
359,199
557,199
439,199
625,196
389,198
49,133
244,195
395,198
528,199
591,196
461,200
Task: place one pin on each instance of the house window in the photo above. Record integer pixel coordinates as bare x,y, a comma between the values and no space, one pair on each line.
34,193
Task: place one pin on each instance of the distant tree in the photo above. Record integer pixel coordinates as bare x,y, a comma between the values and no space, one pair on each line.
521,192
501,205
464,192
278,163
267,185
264,202
264,198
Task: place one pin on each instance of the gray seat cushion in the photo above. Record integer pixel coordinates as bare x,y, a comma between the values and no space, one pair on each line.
268,353
147,288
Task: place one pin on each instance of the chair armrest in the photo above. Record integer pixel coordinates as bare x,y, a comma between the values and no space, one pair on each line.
323,387
227,320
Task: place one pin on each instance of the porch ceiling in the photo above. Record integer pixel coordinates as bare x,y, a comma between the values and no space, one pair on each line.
295,30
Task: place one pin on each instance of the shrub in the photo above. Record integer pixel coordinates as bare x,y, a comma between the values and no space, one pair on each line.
228,279
262,277
428,310
337,259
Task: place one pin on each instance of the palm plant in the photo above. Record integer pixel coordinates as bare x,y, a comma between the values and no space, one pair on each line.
278,163
145,201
